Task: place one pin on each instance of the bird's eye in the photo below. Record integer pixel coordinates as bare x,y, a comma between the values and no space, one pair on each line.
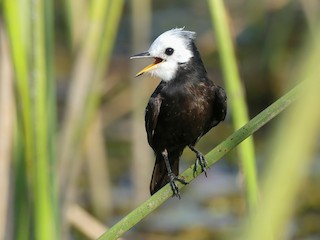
169,51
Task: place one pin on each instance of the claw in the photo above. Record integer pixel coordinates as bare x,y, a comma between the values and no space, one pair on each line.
202,162
199,161
173,178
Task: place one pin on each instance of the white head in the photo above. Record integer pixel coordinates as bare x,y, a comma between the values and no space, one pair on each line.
169,50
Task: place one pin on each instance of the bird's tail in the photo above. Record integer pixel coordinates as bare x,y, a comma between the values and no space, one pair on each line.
160,173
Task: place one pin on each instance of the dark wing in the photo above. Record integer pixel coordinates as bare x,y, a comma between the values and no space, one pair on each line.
219,106
151,116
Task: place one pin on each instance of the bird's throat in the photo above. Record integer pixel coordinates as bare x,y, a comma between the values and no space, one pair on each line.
150,67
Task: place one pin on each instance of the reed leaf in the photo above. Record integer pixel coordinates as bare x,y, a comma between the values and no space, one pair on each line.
16,14
32,21
236,98
45,223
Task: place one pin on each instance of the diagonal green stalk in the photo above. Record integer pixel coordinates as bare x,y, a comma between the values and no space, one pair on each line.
236,98
212,157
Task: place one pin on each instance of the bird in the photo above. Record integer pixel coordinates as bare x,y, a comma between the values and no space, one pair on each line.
184,106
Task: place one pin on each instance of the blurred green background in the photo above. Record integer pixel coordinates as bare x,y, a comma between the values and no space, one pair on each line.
73,150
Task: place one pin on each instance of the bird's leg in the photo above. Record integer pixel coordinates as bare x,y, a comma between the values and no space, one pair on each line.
200,160
172,176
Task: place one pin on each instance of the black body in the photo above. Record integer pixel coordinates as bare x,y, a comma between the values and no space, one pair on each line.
178,114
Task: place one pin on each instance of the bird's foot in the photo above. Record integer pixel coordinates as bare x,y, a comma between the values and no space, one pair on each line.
173,178
202,162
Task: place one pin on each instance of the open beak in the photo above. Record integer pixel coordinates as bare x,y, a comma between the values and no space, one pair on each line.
149,67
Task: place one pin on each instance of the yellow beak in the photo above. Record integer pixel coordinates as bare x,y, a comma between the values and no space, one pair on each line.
149,67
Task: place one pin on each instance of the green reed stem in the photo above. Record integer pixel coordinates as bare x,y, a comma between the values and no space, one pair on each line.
236,98
16,17
107,43
45,224
30,28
